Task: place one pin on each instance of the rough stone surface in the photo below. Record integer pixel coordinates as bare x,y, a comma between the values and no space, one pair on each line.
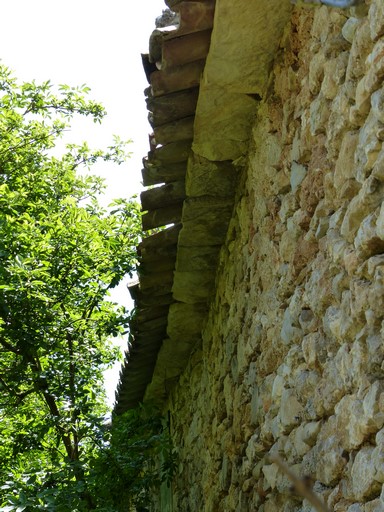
236,74
290,358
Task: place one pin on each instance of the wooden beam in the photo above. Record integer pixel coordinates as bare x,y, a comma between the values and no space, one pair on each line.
175,131
184,77
161,197
185,49
154,174
163,238
162,217
194,17
171,107
171,153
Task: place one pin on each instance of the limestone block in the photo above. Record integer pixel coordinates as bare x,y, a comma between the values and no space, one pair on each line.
334,74
307,320
351,424
374,506
352,219
223,123
361,206
288,244
271,472
204,221
363,95
330,460
297,175
197,258
376,19
371,193
192,286
288,206
367,240
277,389
345,163
304,437
225,474
210,178
242,64
332,322
349,29
361,47
319,114
290,410
356,507
316,72
321,24
367,149
373,407
185,321
377,103
289,332
375,63
363,474
255,449
314,348
338,122
375,294
380,223
374,263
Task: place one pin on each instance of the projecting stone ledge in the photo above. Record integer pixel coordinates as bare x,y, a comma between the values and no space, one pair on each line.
205,221
193,287
207,178
184,330
236,74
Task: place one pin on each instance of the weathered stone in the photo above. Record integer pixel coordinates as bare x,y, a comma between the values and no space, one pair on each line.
319,114
203,221
360,49
330,453
334,74
192,286
349,29
207,178
297,175
225,99
344,169
227,117
377,102
376,17
363,474
290,410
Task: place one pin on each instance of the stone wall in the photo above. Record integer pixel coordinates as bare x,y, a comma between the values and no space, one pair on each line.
291,359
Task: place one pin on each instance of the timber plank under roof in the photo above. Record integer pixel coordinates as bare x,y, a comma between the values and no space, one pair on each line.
174,67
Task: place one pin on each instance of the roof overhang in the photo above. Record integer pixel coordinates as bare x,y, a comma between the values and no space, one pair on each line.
202,113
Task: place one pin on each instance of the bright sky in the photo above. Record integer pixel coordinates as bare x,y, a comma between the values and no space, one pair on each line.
97,43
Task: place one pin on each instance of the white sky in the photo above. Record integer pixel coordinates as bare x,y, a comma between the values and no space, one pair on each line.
98,43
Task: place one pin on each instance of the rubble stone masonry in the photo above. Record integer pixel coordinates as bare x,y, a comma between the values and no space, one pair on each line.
291,360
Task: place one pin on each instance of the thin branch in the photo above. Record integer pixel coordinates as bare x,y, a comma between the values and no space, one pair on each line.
299,485
9,347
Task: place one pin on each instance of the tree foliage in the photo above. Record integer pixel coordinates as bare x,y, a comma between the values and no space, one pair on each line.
60,254
137,459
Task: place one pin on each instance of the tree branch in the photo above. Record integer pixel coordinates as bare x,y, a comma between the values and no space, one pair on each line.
299,485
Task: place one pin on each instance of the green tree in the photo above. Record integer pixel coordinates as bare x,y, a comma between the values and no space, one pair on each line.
60,254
